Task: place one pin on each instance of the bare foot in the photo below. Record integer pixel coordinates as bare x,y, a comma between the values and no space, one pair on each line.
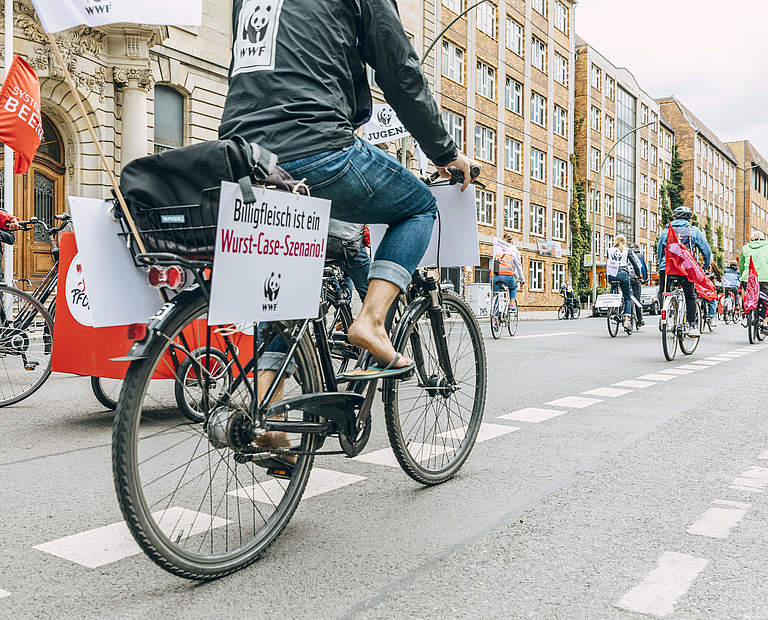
373,338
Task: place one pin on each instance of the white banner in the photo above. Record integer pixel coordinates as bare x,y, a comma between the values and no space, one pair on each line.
501,247
118,291
269,256
56,15
384,125
454,241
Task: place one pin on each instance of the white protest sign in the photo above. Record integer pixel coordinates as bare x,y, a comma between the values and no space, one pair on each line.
56,15
118,292
454,241
269,256
501,248
384,125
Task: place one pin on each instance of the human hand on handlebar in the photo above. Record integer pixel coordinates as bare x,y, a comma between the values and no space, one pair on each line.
13,224
463,163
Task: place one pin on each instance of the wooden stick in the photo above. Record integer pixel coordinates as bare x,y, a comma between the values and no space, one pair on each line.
94,137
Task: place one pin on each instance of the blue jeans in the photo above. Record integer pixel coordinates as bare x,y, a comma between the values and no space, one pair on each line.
367,186
509,281
356,271
713,308
622,279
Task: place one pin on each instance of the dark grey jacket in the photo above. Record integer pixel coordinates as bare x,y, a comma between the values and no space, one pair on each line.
298,84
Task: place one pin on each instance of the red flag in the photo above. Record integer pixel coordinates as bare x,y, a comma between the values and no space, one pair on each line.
752,296
21,125
710,294
680,262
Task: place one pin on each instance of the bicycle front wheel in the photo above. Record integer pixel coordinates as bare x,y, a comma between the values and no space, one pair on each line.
26,339
561,313
669,330
513,320
432,422
613,322
198,508
689,345
576,311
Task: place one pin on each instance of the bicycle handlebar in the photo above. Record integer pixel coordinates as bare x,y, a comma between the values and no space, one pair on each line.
30,224
457,176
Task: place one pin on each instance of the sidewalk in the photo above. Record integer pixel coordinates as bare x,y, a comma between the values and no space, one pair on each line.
530,315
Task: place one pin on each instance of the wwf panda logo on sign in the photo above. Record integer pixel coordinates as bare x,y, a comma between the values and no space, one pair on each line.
272,286
384,116
256,36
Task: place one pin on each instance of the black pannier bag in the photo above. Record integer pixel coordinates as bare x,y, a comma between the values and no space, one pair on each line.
344,240
174,196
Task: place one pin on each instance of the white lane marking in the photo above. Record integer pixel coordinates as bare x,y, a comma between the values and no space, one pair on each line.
749,489
656,377
635,384
689,367
676,371
486,432
574,402
730,355
720,519
754,479
386,456
531,414
608,392
664,585
320,481
4,593
545,335
706,363
763,455
718,358
108,544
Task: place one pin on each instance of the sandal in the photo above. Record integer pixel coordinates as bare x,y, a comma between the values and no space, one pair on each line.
380,372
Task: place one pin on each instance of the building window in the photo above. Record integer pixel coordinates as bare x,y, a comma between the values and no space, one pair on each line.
655,121
486,19
654,155
643,184
609,166
538,165
596,236
654,188
654,221
561,121
457,6
540,6
538,220
643,114
608,242
667,171
169,119
594,201
609,124
561,17
515,39
453,62
560,176
608,205
485,206
512,213
610,88
485,79
558,275
513,96
561,69
538,109
643,218
513,154
485,142
536,276
454,123
594,160
558,225
594,118
596,77
539,54
643,148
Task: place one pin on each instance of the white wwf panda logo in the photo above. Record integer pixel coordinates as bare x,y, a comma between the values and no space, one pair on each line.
257,24
384,117
272,286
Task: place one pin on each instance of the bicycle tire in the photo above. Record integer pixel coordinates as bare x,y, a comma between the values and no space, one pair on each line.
513,321
576,311
133,496
612,320
454,310
495,322
107,394
561,313
689,345
669,331
188,402
759,335
12,352
751,326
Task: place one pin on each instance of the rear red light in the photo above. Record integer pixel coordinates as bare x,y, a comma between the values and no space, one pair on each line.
137,332
156,276
172,277
663,315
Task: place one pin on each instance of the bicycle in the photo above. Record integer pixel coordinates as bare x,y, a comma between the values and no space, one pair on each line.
754,323
504,313
615,316
674,327
167,470
705,321
569,309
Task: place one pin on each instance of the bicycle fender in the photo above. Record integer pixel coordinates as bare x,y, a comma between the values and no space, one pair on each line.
156,325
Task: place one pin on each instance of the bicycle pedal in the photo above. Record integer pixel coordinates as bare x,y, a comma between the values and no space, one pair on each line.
30,367
283,473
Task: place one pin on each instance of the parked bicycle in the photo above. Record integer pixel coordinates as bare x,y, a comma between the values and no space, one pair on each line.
503,312
674,326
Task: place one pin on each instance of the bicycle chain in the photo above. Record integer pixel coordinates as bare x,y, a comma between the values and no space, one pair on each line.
283,452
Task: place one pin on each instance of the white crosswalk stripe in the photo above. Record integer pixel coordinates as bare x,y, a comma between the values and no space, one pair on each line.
706,363
531,414
689,367
574,402
753,479
4,593
607,392
656,377
720,519
632,383
320,481
486,432
676,371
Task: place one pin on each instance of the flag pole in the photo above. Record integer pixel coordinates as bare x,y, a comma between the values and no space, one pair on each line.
8,152
94,137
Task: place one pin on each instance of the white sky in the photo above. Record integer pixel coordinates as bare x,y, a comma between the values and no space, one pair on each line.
711,54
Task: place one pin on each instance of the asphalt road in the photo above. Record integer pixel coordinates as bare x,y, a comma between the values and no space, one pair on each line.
647,497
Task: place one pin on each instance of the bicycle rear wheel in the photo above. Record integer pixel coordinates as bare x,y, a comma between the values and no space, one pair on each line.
107,391
751,320
26,338
432,425
613,321
513,320
197,509
669,330
577,311
496,326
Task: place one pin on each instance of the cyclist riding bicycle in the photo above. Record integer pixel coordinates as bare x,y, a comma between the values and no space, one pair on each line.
569,296
8,223
622,266
732,281
508,271
757,250
637,282
692,238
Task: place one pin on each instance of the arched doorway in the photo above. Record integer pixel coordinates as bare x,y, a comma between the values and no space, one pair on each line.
38,193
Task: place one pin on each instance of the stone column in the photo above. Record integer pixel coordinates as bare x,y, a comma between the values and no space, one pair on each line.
135,84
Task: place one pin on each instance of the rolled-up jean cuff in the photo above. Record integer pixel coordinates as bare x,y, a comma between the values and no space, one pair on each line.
391,272
271,360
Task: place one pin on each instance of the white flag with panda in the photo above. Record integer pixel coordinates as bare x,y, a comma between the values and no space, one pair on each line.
56,15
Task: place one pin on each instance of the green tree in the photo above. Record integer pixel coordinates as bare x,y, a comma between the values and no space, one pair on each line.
675,187
718,253
580,228
666,209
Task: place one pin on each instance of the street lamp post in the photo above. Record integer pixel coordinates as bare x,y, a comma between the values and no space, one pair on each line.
597,185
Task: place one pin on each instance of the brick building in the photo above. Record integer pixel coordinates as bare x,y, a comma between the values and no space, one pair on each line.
709,173
609,105
751,192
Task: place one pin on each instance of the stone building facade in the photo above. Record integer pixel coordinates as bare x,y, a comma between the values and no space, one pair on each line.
709,173
626,198
751,192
